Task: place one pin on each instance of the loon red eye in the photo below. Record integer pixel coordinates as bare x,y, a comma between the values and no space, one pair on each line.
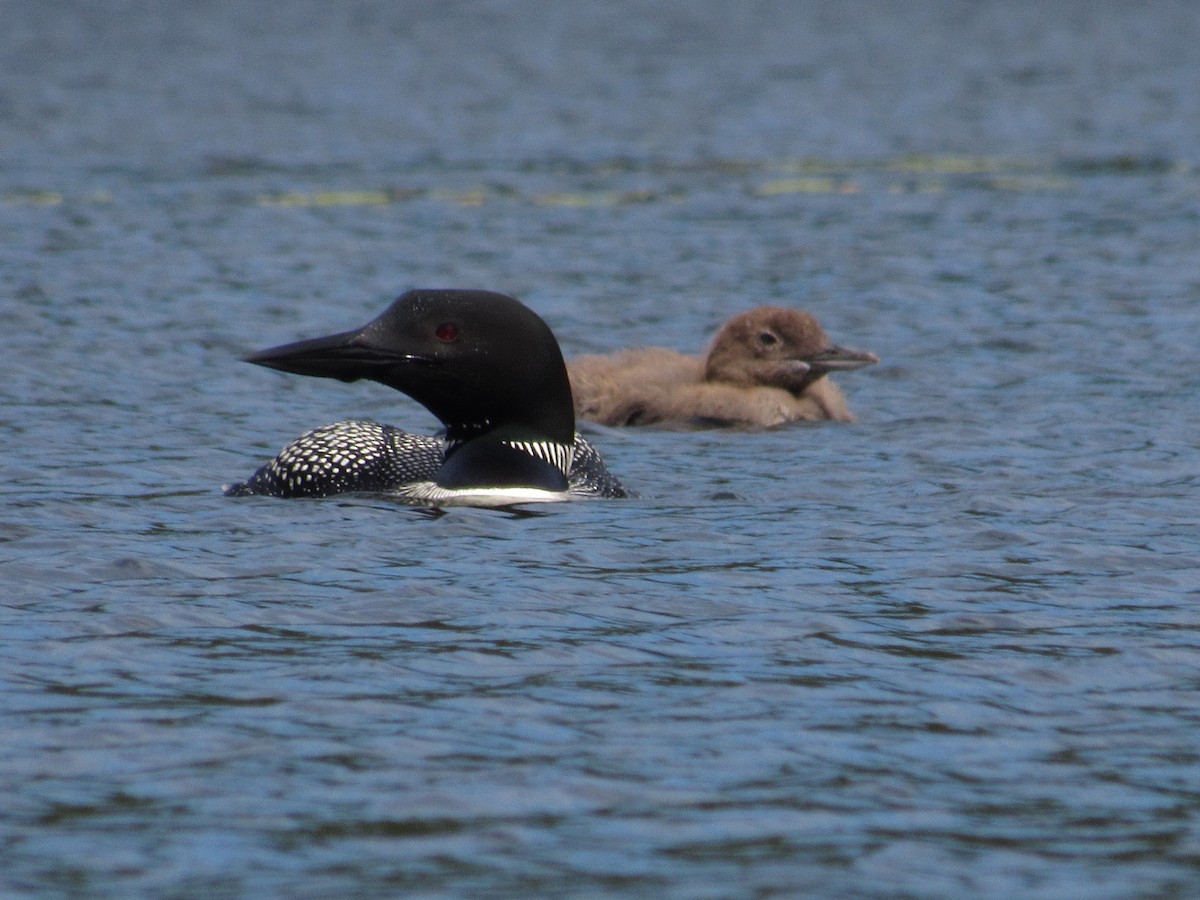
446,332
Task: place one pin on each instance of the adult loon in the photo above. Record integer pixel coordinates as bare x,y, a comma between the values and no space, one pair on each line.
487,366
764,367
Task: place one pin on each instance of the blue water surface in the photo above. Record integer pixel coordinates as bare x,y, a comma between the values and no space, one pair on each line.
950,650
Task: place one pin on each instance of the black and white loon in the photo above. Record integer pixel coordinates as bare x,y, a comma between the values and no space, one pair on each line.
487,366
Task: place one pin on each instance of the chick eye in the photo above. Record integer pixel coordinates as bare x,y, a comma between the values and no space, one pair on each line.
447,332
767,339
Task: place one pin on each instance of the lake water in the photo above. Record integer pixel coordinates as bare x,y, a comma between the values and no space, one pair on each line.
952,650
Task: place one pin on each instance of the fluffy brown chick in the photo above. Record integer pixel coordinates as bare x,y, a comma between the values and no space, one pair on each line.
764,367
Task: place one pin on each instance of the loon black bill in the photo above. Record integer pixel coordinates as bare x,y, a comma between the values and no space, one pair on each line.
348,356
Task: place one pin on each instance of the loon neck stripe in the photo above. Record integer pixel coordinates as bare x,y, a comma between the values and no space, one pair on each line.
561,456
492,461
558,455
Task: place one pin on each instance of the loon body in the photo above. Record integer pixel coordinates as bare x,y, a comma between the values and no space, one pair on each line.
764,367
487,366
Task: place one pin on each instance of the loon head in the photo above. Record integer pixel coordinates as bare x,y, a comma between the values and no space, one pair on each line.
777,347
480,361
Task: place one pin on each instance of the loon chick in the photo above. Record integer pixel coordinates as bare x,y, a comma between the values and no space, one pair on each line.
487,366
764,367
